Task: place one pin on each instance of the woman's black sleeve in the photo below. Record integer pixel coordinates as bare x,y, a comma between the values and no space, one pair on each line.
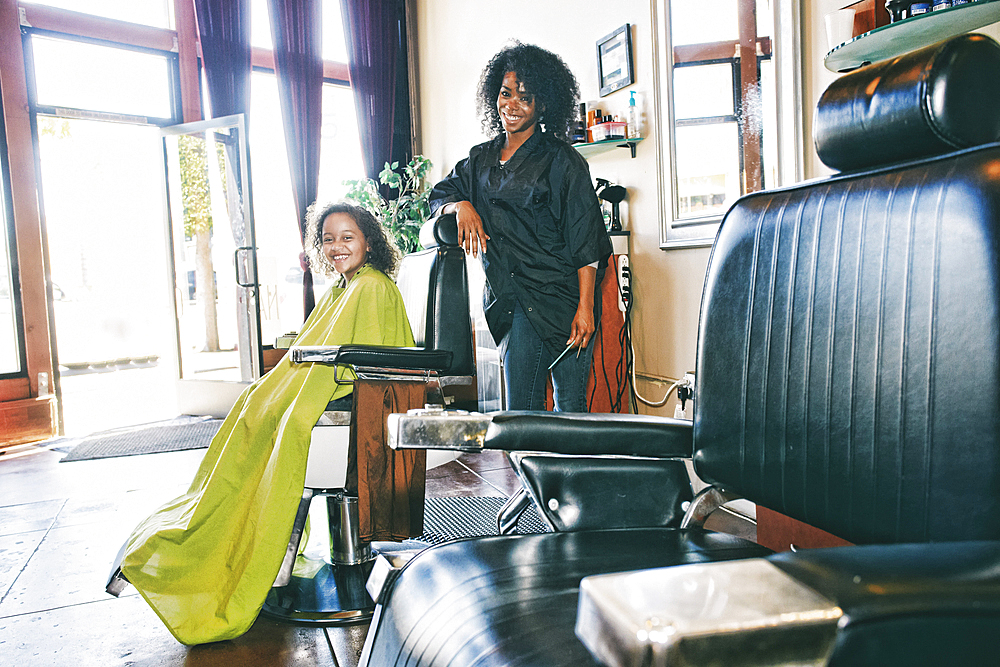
456,186
583,228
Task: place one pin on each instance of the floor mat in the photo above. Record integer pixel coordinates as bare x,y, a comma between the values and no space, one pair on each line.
170,436
447,519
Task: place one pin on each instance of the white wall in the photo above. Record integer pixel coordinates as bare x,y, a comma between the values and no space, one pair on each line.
456,38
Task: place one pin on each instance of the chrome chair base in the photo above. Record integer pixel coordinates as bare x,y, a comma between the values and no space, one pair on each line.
330,594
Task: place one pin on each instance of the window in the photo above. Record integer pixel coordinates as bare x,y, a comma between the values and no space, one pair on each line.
82,75
278,240
11,342
334,45
718,109
155,13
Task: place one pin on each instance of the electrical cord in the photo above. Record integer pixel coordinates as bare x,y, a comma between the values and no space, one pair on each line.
625,340
624,361
655,404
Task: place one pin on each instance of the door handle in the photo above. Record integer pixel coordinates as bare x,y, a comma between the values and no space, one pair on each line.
251,281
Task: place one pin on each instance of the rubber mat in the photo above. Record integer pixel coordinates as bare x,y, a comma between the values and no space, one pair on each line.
447,519
169,436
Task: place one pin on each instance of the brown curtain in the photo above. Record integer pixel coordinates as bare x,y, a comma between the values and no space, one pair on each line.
296,26
224,32
376,45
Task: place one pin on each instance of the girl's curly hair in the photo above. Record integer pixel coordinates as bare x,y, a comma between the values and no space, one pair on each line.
544,75
383,253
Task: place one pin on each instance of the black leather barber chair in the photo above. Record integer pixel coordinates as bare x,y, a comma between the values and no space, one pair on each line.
848,376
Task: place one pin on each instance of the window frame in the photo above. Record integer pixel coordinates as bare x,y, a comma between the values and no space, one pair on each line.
7,214
173,74
700,231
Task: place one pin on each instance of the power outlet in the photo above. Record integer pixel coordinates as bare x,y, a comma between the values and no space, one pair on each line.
624,283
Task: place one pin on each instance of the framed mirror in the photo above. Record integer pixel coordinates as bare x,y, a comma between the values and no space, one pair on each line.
717,104
614,60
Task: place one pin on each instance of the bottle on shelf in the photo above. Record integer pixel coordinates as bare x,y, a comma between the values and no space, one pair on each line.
579,127
633,118
898,9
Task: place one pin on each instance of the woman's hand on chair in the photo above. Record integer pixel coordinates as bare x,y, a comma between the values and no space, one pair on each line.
471,234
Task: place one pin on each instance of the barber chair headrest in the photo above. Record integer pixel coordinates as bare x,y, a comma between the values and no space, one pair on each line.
933,100
440,231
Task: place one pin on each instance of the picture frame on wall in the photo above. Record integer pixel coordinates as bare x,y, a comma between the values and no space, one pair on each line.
614,60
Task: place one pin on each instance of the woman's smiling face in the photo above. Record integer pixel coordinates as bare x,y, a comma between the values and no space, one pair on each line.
344,244
517,107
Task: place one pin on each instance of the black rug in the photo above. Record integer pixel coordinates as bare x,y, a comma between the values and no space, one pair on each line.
169,436
447,519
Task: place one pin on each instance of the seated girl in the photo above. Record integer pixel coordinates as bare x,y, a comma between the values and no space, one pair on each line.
206,561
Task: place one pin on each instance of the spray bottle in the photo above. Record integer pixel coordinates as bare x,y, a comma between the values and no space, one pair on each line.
633,118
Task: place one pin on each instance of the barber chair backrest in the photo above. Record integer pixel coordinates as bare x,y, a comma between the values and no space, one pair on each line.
435,288
849,350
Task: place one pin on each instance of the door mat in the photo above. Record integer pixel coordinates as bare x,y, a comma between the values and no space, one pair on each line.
447,519
169,436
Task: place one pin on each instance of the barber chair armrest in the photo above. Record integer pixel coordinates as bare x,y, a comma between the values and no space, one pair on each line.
886,604
567,433
374,356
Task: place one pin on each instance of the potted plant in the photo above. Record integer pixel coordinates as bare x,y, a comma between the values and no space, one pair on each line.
405,215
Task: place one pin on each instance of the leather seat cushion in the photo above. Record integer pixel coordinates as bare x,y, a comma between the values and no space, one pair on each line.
512,600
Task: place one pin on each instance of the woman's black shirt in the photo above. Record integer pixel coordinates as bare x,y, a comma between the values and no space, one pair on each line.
544,222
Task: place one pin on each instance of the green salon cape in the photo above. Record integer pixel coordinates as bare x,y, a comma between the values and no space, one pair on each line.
206,561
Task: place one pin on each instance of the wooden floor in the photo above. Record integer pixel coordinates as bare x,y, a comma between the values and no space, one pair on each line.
61,525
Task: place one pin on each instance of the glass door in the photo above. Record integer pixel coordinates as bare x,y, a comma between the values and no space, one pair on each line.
214,263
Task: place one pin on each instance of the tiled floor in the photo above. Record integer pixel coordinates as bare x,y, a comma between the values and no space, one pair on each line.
61,525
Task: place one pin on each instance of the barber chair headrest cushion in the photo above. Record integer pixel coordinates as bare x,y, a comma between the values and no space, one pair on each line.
440,231
933,100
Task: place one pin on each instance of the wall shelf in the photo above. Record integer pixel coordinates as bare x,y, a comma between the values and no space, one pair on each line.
597,147
912,33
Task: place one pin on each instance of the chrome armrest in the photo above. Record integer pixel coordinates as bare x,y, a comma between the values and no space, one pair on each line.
320,354
730,613
435,428
873,604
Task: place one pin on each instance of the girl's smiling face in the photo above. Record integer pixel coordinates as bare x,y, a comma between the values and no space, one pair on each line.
344,244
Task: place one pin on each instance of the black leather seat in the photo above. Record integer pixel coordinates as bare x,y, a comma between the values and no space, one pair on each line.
848,376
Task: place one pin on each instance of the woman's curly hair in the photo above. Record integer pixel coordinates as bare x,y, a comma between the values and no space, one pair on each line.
544,75
383,253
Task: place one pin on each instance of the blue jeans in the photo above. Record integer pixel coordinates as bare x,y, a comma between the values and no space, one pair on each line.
526,363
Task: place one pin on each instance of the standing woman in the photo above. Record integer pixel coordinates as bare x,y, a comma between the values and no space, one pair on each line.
526,205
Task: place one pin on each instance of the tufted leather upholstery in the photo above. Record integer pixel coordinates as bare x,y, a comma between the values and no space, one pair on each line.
849,372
